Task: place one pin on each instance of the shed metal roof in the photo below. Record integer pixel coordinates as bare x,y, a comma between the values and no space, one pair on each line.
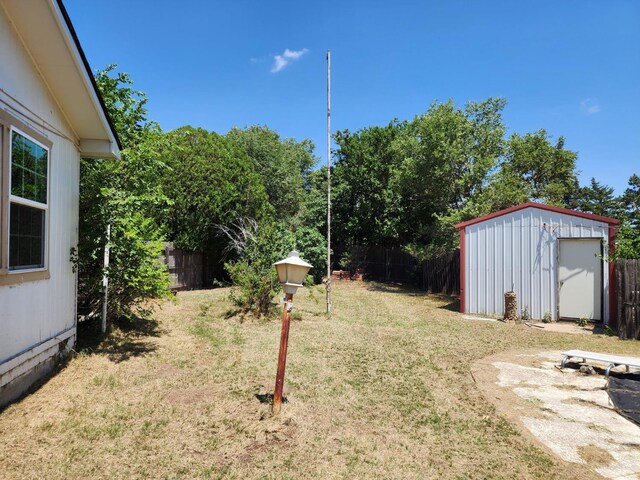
541,206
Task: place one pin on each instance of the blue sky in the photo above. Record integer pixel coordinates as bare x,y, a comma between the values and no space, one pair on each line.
571,66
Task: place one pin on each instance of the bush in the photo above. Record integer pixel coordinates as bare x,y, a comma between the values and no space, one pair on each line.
135,272
124,194
312,247
254,279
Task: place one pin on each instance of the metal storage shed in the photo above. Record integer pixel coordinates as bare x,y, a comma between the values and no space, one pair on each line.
555,259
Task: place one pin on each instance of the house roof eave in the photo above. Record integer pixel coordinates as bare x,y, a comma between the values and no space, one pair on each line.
48,36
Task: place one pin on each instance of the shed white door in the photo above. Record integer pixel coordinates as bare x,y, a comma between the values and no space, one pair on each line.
580,278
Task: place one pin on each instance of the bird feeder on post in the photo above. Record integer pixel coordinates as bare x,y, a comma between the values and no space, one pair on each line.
291,272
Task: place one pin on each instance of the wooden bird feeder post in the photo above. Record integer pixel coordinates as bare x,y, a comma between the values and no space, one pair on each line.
291,273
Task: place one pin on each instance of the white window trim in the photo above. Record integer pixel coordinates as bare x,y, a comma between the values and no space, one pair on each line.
29,203
9,124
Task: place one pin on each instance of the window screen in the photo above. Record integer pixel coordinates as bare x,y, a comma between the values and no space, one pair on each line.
26,237
28,203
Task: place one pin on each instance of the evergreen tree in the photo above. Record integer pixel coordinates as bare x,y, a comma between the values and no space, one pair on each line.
598,199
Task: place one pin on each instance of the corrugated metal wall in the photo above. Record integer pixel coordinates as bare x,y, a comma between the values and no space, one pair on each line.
518,251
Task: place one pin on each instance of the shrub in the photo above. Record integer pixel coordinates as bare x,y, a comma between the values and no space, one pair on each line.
258,247
582,321
312,247
135,272
125,195
546,318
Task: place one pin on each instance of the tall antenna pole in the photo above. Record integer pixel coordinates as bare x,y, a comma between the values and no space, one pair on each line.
328,181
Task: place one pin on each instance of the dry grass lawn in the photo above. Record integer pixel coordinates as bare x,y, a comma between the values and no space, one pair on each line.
381,390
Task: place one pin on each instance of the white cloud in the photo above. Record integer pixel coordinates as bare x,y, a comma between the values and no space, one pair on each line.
281,61
590,106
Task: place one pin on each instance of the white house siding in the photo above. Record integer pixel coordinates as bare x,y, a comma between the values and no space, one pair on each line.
518,251
34,313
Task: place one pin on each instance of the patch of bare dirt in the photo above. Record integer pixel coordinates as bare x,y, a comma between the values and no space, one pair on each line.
565,327
595,456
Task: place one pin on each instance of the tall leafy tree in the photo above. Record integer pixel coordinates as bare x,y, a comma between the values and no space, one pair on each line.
211,182
125,195
630,200
445,158
283,165
628,237
542,171
409,183
313,212
364,166
126,107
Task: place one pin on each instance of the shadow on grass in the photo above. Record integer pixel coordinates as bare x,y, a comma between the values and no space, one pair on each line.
125,338
395,288
267,398
450,302
600,328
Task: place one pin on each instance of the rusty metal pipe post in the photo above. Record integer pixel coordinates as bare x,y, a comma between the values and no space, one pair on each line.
282,356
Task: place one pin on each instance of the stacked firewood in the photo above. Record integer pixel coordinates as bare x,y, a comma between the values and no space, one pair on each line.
510,307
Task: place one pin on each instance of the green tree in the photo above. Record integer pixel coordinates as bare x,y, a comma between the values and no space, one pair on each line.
211,182
532,168
446,156
124,194
258,247
628,235
312,246
313,212
364,165
283,166
598,199
126,106
627,241
630,201
542,171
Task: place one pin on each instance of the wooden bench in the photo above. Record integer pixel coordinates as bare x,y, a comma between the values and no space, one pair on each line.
612,360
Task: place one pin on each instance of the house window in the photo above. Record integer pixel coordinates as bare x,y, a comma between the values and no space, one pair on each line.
25,183
28,202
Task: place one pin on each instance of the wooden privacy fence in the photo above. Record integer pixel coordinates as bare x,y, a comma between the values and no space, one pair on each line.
385,264
191,270
628,293
186,269
391,265
437,275
442,274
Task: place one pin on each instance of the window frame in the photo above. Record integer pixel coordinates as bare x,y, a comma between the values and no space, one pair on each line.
8,125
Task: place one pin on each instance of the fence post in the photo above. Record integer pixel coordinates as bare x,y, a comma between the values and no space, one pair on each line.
105,281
